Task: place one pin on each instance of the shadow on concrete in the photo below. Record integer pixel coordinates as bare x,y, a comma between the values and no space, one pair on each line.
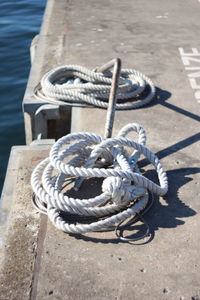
170,213
162,96
173,148
165,213
179,145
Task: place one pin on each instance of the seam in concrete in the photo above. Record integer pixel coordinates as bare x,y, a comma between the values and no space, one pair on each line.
40,243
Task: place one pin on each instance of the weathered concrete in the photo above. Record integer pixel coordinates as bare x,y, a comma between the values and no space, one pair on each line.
146,35
21,228
40,261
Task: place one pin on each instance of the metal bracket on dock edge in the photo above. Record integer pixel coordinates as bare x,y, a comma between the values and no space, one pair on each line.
45,121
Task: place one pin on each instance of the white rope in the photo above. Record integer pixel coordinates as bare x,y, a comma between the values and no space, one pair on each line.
76,85
87,155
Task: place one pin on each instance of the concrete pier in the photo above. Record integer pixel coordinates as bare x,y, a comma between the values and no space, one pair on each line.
39,262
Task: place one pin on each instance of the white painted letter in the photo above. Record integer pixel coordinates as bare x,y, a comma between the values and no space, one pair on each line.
193,53
193,83
194,75
186,60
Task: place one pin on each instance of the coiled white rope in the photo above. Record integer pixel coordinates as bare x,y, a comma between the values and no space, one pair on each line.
76,85
87,155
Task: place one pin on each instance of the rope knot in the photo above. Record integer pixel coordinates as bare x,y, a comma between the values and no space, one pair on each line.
118,189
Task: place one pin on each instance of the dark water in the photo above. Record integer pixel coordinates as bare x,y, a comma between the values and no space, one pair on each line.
20,21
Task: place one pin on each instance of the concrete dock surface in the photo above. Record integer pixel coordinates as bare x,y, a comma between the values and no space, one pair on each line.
158,38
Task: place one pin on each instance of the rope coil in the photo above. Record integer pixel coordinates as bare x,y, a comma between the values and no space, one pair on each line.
79,156
76,85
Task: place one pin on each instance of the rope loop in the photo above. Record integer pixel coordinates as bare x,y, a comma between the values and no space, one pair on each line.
80,156
76,85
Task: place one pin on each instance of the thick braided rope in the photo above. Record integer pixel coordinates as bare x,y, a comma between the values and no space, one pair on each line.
77,85
124,189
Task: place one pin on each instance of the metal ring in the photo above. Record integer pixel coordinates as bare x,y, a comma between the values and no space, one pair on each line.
41,207
119,231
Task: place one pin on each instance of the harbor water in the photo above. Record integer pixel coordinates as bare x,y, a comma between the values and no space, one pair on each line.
19,22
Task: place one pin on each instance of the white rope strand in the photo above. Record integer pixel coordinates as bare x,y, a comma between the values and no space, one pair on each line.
77,85
85,155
